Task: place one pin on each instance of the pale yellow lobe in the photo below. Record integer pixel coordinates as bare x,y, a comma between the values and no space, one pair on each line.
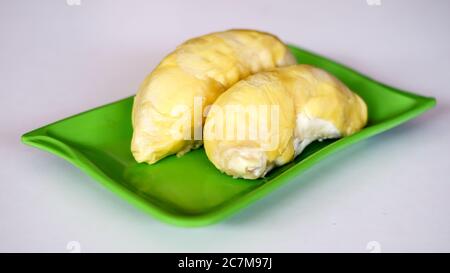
313,105
202,67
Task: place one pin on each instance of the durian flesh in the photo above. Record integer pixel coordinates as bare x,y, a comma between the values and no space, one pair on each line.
203,67
311,105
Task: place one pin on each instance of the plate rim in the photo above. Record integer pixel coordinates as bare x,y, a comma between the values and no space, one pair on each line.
39,139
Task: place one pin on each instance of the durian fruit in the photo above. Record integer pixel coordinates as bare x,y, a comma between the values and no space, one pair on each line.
195,74
302,104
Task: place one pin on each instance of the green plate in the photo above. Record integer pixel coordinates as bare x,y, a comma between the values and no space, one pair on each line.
190,191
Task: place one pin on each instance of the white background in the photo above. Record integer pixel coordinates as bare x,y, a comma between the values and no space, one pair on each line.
57,60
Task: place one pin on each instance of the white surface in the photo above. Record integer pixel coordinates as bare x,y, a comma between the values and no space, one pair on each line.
57,60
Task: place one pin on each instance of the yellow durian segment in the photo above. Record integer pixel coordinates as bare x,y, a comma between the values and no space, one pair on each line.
202,67
311,103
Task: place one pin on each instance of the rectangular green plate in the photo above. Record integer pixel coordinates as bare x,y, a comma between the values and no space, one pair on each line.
190,191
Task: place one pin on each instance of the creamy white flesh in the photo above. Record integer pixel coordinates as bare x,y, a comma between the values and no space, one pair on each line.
252,163
313,106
